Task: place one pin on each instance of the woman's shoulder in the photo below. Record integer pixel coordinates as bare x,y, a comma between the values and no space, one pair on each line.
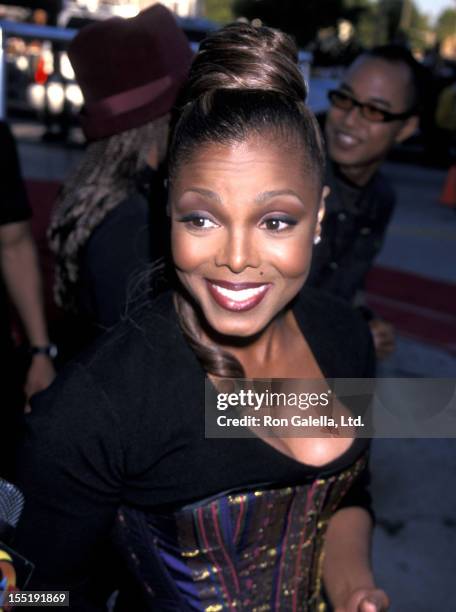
144,335
124,386
135,356
127,383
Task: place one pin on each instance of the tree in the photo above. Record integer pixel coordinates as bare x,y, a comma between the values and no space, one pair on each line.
366,20
392,21
220,11
301,18
446,24
376,21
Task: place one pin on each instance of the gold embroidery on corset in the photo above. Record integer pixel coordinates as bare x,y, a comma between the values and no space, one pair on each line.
246,564
190,553
236,499
202,575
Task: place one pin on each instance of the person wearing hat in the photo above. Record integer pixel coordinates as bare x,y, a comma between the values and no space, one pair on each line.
130,72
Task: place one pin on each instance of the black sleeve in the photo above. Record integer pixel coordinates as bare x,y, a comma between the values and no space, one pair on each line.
14,205
70,471
359,493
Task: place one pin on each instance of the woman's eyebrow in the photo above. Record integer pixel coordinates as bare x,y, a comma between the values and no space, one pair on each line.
207,193
260,198
268,195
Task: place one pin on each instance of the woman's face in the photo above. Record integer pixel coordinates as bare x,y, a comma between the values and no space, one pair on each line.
244,217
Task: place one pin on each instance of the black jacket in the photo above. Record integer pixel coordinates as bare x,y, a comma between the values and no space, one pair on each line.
352,234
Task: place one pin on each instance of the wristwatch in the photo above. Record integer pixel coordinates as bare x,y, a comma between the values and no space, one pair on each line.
49,349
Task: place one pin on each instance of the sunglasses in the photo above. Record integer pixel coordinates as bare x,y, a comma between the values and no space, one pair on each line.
345,102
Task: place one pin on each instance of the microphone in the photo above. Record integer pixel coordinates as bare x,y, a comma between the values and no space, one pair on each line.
15,571
11,505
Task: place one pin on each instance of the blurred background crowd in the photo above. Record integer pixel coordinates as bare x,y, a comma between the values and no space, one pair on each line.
330,33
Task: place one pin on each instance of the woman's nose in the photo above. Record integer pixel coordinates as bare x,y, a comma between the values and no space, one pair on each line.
238,251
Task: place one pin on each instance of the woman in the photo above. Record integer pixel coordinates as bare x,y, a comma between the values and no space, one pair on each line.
130,72
214,524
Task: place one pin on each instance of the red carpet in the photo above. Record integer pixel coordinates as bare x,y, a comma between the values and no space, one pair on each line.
419,307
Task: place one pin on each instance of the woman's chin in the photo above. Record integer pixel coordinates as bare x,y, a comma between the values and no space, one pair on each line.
235,329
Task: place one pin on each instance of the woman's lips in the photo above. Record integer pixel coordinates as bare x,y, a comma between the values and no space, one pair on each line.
237,296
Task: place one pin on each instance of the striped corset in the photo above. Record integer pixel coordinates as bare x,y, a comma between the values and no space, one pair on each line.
254,550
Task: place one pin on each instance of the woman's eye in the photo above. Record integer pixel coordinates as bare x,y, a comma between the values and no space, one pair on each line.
199,222
278,224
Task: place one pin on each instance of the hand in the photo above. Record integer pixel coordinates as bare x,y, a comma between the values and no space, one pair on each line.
365,600
383,337
39,376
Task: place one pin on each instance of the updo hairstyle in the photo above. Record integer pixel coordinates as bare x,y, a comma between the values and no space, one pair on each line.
244,81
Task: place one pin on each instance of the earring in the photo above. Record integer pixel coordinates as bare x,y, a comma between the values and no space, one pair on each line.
317,239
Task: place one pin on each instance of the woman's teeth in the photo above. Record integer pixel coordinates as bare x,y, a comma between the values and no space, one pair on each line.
241,295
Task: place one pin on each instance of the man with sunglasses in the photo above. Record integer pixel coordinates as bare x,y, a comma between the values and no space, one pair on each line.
374,108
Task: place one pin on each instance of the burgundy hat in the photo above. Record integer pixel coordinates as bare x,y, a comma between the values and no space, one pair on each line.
129,70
